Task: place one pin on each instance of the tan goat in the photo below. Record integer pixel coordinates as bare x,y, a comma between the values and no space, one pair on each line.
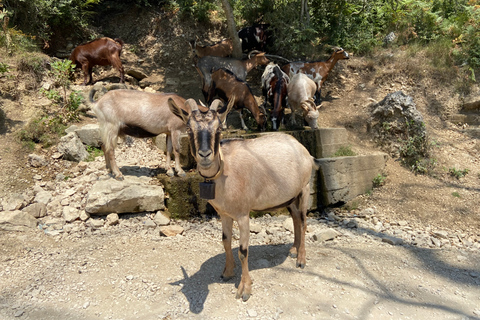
137,114
301,90
266,173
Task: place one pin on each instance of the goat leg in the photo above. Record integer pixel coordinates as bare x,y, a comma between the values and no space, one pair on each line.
227,224
112,164
244,127
170,172
245,286
175,143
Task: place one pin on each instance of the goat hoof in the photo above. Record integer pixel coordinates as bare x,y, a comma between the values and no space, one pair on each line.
226,278
182,174
170,173
301,265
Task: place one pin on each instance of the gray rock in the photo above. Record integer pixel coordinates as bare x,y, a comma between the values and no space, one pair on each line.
149,224
43,197
89,135
325,235
255,228
70,214
288,224
112,219
96,223
129,195
72,148
15,201
36,210
36,160
160,219
16,221
392,240
440,234
137,74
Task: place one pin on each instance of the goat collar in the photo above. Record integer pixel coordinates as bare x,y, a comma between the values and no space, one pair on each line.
220,169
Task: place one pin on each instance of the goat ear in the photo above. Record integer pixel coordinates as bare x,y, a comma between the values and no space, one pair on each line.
176,110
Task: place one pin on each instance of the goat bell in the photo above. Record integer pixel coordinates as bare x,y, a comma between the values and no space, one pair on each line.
207,190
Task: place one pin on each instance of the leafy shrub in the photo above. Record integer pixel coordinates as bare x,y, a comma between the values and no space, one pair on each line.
379,180
458,173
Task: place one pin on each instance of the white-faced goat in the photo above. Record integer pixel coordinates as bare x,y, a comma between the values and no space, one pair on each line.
227,86
301,90
316,70
266,173
274,88
239,68
137,114
223,48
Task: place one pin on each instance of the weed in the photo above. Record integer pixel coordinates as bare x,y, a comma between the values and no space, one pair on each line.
379,180
93,152
456,194
4,68
344,151
458,173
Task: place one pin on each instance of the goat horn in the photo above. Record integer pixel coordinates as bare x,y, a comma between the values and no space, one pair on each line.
253,52
215,104
276,57
191,104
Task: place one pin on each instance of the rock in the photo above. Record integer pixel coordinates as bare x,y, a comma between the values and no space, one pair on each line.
84,216
440,234
256,228
392,240
43,197
36,210
90,135
96,223
129,195
16,221
171,231
325,235
149,224
70,214
36,160
16,201
161,219
137,74
112,219
288,224
72,147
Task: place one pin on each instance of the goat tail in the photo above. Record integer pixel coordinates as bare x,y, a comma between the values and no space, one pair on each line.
91,94
316,163
119,41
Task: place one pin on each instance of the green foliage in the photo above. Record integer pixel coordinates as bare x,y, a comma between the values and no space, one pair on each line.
379,180
456,194
44,130
344,151
42,18
458,173
93,152
200,10
4,68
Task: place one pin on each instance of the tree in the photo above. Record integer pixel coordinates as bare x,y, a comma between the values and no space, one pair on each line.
232,29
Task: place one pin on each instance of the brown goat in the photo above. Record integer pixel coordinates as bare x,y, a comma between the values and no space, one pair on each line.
99,52
316,70
261,174
239,68
223,48
226,85
137,114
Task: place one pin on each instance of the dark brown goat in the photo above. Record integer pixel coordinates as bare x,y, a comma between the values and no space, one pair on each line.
226,85
316,70
239,68
223,48
274,88
99,52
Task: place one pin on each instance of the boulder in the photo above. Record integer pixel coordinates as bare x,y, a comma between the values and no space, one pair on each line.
89,135
72,148
36,161
17,221
130,195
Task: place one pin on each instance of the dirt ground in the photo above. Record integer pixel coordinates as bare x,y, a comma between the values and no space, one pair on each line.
130,273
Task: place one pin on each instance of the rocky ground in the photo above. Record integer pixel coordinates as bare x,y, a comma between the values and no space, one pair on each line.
407,250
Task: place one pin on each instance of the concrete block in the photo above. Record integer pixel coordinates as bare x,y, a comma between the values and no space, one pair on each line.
342,179
186,159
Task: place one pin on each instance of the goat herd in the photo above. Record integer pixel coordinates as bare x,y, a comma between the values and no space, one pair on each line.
241,176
